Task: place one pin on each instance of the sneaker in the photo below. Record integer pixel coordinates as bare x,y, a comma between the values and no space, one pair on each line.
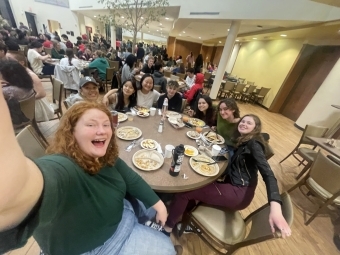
187,230
156,227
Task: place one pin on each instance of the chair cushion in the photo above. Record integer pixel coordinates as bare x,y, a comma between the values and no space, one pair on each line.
321,191
55,107
227,226
307,153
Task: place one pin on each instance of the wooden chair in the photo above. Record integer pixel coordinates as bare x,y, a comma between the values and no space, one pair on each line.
207,77
221,228
323,182
261,95
119,80
157,88
228,89
27,106
307,154
250,82
58,87
48,51
30,143
247,95
167,74
237,93
66,105
241,80
110,72
114,65
181,75
184,102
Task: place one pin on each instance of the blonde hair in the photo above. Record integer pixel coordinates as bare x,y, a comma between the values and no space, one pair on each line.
65,143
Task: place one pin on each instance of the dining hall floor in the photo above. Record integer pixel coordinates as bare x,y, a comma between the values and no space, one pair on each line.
317,238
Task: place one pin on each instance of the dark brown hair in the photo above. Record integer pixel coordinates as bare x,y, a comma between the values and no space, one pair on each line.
231,105
65,143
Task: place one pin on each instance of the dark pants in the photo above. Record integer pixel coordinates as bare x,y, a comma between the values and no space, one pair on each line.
48,69
219,194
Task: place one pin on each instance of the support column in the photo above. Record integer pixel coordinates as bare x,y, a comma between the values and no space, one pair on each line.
228,47
233,57
113,36
142,36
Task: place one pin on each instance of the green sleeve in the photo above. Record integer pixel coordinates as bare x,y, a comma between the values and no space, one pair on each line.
56,55
93,64
135,185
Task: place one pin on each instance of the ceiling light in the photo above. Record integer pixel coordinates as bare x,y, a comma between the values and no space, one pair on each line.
94,16
237,40
180,35
254,38
219,42
283,35
157,30
183,32
166,18
122,17
161,28
228,29
160,24
199,37
149,31
141,17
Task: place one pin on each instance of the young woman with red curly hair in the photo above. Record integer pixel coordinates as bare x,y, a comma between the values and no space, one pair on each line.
72,200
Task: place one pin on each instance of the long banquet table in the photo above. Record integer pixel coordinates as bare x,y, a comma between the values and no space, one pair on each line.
160,180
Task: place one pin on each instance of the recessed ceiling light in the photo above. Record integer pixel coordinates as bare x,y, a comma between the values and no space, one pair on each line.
254,38
94,16
283,35
180,35
228,29
199,37
219,42
142,17
183,32
161,28
166,18
160,24
157,30
237,40
122,17
149,31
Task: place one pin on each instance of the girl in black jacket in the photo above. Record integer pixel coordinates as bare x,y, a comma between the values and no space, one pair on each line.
238,189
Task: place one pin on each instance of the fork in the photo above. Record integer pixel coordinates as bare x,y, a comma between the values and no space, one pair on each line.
130,146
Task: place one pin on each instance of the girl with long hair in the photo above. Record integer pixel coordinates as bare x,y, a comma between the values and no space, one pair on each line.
69,60
204,110
237,190
76,194
128,70
124,99
147,95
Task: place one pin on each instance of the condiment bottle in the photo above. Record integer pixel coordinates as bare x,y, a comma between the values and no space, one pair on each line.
177,158
164,108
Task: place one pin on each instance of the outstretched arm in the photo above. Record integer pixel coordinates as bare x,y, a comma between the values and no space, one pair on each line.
21,181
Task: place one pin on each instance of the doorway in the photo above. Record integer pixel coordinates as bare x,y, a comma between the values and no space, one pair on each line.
31,23
309,81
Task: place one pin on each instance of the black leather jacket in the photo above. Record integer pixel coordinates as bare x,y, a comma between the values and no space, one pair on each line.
249,158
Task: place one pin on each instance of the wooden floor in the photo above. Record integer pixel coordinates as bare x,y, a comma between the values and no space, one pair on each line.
317,238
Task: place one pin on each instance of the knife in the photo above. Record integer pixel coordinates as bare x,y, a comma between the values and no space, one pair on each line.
159,149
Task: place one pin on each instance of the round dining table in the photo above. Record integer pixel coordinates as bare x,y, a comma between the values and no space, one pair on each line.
160,180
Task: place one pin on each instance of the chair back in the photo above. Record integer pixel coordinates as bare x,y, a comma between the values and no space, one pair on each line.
181,75
58,87
241,80
315,131
114,65
269,152
119,80
259,219
184,102
167,74
207,76
27,106
110,72
240,87
48,51
264,91
250,82
229,86
157,87
174,77
251,89
30,143
326,173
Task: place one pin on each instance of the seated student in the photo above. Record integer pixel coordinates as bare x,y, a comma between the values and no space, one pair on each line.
3,51
148,68
88,91
174,98
47,43
189,95
159,78
190,80
124,99
73,200
204,110
100,63
55,52
69,59
36,60
147,95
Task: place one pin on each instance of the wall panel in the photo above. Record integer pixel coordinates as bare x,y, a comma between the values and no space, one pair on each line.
183,49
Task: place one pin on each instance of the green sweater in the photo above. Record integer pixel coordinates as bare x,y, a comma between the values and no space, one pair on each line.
100,64
55,54
225,129
79,212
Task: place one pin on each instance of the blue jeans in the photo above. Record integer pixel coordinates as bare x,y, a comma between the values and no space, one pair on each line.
132,238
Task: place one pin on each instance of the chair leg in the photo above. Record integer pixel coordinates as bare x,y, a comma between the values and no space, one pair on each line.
287,156
328,202
185,223
35,126
303,171
295,186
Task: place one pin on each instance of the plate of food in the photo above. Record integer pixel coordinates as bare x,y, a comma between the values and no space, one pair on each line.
202,167
128,133
141,109
193,134
149,144
122,117
176,122
212,137
190,151
196,122
147,160
143,114
171,114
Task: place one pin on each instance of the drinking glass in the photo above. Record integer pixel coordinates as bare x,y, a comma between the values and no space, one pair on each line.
185,118
199,129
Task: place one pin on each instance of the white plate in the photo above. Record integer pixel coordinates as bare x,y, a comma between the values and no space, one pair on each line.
189,148
171,114
143,114
141,108
147,160
199,167
149,144
128,133
122,117
196,122
193,135
212,138
175,122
